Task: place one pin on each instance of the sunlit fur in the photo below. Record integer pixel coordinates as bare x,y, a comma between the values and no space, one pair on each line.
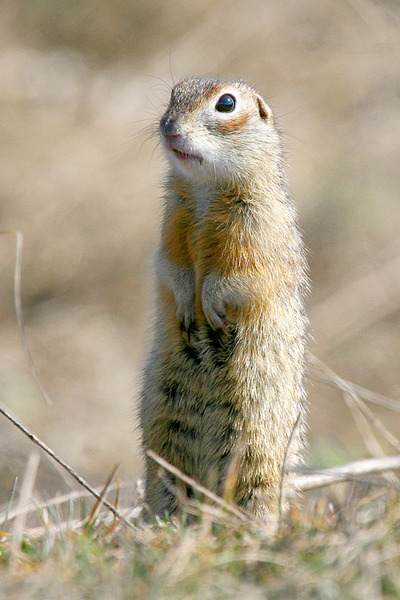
223,383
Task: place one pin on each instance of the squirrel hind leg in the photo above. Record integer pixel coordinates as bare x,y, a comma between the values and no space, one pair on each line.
160,496
166,496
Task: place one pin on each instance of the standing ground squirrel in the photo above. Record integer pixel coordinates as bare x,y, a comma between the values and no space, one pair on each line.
223,382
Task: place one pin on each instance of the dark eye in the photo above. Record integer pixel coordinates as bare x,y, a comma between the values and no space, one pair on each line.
226,103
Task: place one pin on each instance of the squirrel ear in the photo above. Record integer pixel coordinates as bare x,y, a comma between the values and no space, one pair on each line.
264,110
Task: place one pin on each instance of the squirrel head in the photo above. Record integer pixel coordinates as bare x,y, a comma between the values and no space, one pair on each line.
217,131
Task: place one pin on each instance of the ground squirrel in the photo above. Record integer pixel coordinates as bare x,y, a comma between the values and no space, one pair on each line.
223,382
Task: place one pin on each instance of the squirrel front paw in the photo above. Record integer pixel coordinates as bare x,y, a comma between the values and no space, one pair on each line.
186,318
214,301
215,312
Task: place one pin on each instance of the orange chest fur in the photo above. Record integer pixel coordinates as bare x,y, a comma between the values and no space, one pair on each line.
220,241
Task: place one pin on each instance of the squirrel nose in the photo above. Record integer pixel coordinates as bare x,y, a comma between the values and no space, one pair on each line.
169,126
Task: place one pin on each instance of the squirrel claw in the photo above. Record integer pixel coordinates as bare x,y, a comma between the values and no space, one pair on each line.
215,320
187,329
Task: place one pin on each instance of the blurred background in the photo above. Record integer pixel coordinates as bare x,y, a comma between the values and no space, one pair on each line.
79,84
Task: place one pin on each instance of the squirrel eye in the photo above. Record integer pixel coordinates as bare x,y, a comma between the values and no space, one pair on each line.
226,103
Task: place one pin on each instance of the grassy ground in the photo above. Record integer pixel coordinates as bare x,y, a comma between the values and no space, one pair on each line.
342,543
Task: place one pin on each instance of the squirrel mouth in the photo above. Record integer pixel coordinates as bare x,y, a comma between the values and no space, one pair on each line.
177,146
185,155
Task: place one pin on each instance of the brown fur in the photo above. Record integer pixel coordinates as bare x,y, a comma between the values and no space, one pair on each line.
223,382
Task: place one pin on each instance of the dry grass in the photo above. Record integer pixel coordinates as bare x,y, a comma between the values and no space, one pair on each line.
344,543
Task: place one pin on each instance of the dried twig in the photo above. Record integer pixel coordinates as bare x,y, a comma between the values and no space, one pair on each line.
363,416
71,524
364,427
238,512
323,477
77,477
18,309
368,414
8,514
324,374
284,466
96,508
24,497
364,419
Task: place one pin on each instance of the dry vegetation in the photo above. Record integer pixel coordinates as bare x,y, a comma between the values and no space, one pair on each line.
342,544
79,84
